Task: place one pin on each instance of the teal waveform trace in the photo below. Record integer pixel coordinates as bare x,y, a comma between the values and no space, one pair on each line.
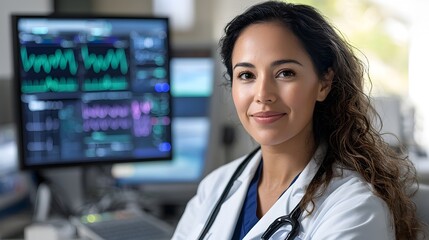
105,83
60,59
50,84
114,59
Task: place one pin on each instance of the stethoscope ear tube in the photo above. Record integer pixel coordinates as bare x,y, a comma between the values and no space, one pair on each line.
225,192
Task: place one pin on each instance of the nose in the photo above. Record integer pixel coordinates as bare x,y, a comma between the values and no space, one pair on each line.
265,90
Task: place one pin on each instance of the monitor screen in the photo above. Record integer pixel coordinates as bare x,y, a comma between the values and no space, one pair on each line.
92,90
191,87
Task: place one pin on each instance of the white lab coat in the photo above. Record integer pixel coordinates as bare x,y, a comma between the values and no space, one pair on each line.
347,210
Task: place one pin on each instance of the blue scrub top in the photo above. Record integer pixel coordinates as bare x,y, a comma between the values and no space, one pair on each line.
248,216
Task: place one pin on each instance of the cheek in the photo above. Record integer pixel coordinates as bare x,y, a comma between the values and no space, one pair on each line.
240,99
236,96
300,98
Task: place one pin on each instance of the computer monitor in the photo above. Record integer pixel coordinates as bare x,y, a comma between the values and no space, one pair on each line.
91,89
192,84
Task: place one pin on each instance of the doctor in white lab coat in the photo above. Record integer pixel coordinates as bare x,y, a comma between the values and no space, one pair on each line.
298,91
347,210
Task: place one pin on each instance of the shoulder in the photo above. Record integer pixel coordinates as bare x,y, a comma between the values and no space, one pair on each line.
348,184
349,209
219,177
350,192
199,207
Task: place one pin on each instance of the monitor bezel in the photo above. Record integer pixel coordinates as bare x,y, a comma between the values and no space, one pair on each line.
16,91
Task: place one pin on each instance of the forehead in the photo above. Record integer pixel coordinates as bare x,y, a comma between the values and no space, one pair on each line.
270,41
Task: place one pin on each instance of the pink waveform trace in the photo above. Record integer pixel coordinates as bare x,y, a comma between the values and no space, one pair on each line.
140,108
106,124
103,111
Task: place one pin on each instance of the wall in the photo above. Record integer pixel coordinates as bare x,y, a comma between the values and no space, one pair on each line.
199,36
6,102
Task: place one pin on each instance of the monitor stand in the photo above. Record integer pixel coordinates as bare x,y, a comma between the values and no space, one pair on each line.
62,187
82,190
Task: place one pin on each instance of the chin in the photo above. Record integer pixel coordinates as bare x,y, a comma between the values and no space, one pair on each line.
270,141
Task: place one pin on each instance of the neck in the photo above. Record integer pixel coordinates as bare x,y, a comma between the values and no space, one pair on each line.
281,165
284,162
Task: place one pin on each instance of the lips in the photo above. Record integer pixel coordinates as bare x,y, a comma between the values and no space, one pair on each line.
267,117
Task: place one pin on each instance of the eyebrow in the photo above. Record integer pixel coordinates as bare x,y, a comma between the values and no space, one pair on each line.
273,64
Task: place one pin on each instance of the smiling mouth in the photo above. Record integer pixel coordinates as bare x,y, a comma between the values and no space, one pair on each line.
267,114
267,117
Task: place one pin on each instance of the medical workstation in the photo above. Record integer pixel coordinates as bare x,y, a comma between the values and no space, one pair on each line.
112,112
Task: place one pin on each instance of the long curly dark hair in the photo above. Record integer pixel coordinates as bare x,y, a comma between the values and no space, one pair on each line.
345,118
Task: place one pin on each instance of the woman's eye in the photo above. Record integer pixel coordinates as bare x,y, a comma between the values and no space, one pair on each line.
286,73
245,75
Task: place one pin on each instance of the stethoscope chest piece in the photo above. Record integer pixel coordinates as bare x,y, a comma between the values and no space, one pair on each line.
291,220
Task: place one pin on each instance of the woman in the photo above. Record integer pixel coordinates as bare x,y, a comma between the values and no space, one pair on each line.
298,91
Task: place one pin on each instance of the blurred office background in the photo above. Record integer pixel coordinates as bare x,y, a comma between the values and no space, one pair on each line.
391,36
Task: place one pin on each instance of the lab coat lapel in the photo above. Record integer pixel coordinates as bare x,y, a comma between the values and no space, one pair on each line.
224,226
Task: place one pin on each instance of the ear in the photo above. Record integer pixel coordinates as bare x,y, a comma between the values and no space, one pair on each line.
325,85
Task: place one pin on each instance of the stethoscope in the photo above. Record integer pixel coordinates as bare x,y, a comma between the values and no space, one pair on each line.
291,219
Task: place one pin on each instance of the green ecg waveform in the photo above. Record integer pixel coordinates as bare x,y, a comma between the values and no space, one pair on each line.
105,83
114,58
61,59
50,84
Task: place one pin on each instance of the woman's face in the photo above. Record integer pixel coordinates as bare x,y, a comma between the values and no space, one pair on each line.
274,84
